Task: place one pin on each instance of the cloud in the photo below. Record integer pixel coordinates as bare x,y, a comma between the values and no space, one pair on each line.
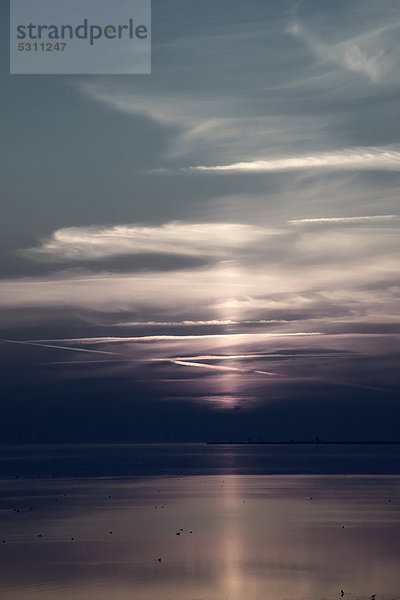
228,115
196,323
256,277
299,278
191,119
383,158
210,124
371,54
94,243
41,344
257,355
167,338
186,363
328,220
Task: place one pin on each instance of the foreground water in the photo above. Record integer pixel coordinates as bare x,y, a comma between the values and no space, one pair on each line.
242,535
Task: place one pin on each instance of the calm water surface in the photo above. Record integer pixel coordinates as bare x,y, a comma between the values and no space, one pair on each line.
242,536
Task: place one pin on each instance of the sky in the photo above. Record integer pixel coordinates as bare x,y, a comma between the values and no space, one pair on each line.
210,251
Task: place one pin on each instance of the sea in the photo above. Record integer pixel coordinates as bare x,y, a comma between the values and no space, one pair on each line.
200,522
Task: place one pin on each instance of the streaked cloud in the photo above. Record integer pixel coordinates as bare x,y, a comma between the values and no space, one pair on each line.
249,356
269,276
210,124
93,243
41,344
197,323
167,338
365,219
384,158
201,365
371,53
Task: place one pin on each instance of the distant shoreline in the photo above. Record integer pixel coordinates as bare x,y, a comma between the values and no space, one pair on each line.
306,443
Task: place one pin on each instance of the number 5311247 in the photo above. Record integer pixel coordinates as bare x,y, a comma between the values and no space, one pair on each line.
41,47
